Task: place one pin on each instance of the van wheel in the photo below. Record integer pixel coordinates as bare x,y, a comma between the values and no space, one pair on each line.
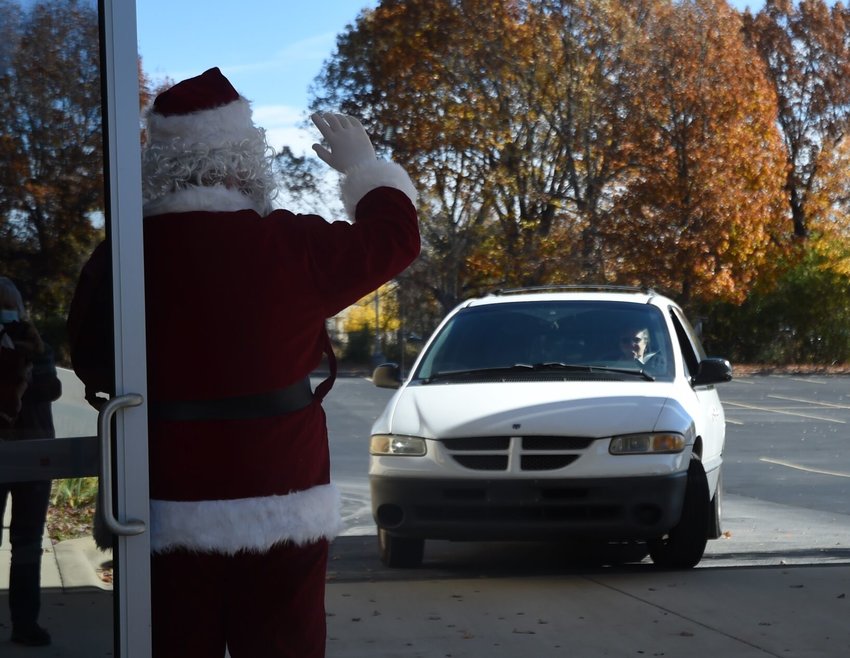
683,546
400,552
715,520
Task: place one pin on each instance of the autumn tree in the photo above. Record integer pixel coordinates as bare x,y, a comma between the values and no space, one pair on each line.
581,90
10,20
50,122
704,206
456,100
830,199
442,114
806,49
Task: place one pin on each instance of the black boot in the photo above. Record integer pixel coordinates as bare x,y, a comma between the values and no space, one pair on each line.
25,603
31,636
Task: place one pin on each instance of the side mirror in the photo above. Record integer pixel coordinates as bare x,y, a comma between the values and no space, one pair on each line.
387,375
712,371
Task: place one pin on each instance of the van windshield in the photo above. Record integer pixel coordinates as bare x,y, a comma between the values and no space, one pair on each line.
549,335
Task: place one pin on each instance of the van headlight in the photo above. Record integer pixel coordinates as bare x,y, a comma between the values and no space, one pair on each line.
397,444
650,443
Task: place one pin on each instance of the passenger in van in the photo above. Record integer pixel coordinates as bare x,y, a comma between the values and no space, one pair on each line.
33,419
238,294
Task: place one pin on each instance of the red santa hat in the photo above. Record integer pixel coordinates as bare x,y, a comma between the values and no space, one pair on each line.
205,110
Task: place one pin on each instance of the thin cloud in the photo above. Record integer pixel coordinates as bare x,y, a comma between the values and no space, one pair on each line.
311,50
284,126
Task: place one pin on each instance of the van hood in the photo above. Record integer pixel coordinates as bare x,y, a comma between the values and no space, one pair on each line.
592,409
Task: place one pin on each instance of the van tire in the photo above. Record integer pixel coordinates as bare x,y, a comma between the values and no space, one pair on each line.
400,552
683,546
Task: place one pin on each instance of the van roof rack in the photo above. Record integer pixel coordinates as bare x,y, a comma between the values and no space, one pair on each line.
578,287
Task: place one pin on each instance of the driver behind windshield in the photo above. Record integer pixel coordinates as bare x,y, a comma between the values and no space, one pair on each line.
635,344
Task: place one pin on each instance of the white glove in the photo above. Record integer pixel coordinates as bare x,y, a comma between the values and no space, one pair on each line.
349,144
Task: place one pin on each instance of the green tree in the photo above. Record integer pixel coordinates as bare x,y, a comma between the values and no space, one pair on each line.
801,318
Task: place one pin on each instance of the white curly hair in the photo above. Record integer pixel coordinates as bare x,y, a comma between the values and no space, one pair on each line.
177,164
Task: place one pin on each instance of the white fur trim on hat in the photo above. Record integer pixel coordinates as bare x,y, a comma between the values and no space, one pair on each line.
246,524
363,179
216,127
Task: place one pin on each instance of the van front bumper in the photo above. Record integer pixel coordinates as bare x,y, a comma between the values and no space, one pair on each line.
620,508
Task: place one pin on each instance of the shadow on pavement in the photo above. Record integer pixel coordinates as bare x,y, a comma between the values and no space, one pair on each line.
355,559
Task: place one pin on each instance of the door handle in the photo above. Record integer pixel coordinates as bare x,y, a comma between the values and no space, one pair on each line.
104,433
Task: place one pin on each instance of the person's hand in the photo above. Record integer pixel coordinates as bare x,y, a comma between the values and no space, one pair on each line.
349,144
25,337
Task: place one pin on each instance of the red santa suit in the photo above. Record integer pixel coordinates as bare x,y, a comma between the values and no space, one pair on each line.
242,506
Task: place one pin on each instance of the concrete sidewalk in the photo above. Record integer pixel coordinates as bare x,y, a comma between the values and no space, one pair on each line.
529,601
748,597
742,612
796,612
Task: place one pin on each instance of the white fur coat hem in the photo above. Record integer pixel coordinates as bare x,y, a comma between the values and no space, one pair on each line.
246,524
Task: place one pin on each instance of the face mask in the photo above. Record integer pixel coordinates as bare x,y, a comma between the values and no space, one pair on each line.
8,315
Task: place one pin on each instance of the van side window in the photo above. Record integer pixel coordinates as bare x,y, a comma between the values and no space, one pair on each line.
690,345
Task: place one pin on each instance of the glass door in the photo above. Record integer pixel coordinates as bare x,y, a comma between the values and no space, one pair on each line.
69,180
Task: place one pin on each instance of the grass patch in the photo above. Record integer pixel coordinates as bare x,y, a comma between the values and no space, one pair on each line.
71,511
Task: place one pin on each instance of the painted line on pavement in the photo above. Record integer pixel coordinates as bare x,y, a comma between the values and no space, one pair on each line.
806,380
814,402
742,379
783,411
799,467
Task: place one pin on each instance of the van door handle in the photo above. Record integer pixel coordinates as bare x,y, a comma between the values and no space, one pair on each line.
104,434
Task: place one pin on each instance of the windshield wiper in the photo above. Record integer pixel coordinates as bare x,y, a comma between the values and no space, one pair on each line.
637,372
558,365
448,374
527,367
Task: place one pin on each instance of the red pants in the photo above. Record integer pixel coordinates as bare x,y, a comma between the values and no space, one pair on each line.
269,605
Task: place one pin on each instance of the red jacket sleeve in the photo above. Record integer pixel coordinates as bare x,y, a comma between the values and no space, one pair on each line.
351,260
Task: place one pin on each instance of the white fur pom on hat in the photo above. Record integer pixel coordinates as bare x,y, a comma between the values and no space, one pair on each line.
205,110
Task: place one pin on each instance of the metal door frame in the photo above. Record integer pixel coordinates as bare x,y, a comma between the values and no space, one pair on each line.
123,157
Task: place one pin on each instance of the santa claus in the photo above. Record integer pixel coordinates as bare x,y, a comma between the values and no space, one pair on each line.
237,297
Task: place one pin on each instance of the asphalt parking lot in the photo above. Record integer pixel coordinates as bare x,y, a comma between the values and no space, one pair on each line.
788,440
755,399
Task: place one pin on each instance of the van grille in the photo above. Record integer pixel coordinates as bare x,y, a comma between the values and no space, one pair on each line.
519,453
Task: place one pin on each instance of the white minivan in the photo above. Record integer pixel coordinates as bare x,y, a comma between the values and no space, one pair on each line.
556,413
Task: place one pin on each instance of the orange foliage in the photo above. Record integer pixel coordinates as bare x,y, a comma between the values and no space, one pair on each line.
573,140
705,204
806,49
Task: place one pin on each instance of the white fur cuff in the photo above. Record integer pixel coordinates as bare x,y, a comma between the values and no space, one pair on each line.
246,524
362,179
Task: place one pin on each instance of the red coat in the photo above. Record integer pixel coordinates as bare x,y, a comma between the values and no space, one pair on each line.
236,305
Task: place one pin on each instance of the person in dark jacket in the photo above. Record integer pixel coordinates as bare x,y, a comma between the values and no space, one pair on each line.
237,298
30,500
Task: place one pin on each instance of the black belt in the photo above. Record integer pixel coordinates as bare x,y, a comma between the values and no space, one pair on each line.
260,405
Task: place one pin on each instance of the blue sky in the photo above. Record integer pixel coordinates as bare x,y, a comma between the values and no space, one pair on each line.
271,50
